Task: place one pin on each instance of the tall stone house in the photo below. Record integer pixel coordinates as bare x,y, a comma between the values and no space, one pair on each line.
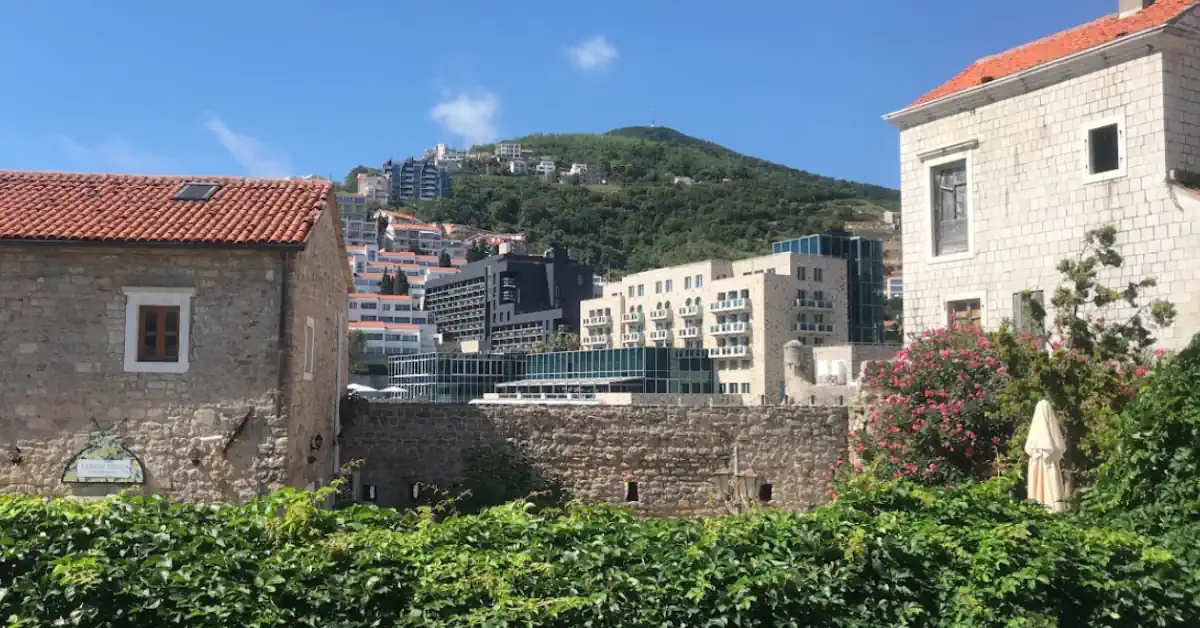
179,336
1004,168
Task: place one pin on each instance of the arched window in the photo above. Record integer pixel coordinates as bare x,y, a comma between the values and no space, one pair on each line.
639,308
667,305
688,301
631,310
658,306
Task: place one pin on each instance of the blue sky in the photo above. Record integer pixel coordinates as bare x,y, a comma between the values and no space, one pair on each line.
268,88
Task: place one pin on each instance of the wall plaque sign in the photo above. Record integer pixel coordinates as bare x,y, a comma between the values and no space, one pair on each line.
105,459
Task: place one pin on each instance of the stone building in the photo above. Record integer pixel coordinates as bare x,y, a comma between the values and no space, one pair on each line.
1004,168
169,335
829,375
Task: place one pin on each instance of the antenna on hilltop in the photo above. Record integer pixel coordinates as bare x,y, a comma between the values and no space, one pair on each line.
653,122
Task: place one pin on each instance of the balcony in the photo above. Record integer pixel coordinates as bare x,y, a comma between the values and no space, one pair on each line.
631,317
689,311
688,332
594,341
633,336
597,321
729,328
730,351
814,328
811,304
660,315
659,335
730,305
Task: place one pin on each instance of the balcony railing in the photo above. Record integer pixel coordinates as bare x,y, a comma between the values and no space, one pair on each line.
730,305
597,321
633,336
688,332
631,317
815,328
813,304
729,328
660,315
730,351
591,341
657,335
689,311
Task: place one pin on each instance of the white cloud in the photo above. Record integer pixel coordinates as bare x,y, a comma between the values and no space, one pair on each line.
592,54
115,154
471,118
256,157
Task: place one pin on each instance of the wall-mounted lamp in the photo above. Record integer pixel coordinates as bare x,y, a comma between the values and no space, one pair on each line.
14,455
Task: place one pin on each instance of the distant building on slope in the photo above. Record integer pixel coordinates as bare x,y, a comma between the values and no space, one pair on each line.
416,180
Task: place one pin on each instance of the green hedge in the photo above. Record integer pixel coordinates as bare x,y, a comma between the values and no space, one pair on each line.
887,555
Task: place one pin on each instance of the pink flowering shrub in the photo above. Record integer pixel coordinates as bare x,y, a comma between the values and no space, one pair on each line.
937,420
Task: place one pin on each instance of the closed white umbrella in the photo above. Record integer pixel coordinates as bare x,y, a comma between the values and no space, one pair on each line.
392,389
359,388
1045,447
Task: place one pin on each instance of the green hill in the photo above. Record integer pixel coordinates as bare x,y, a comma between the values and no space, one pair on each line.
639,219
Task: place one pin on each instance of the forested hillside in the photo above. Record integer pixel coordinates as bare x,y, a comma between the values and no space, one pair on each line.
640,219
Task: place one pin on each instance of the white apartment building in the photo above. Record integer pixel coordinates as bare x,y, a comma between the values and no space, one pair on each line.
1006,166
358,222
517,167
508,151
384,339
374,187
546,168
386,308
742,311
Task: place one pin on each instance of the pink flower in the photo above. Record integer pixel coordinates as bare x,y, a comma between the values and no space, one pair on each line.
932,467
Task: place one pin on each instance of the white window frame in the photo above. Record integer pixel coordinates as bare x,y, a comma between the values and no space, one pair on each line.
967,157
310,346
135,298
1088,127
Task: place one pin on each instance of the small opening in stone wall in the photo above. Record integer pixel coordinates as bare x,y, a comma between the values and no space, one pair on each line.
631,491
414,491
764,493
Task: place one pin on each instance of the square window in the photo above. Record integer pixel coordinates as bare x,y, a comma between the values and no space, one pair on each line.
950,220
964,313
157,329
1104,153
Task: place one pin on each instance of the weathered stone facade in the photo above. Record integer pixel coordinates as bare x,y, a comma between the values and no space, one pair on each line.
1029,197
671,452
237,423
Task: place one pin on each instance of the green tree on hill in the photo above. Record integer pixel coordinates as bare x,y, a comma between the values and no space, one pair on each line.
400,284
444,260
386,285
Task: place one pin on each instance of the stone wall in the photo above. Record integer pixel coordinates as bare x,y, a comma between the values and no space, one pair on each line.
671,452
317,288
62,376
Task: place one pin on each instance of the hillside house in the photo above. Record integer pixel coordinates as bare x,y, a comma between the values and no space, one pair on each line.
1007,165
171,335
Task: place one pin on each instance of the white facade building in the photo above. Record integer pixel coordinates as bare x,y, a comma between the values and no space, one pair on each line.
517,167
546,168
742,312
358,222
1005,167
374,187
508,151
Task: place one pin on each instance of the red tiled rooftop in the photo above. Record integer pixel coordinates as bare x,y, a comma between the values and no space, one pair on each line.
1058,46
52,206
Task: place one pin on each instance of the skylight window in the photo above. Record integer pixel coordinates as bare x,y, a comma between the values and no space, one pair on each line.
195,192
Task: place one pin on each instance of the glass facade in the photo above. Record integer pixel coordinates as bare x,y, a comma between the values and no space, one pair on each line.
635,369
452,377
864,277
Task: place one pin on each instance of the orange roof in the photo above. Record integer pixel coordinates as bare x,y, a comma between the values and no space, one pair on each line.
458,260
415,227
135,208
1058,46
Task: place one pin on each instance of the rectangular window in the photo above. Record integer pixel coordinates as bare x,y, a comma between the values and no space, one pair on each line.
670,285
641,290
1104,152
950,208
745,294
158,331
745,389
310,342
818,295
699,281
687,283
1024,319
630,290
818,274
657,287
964,313
770,271
801,273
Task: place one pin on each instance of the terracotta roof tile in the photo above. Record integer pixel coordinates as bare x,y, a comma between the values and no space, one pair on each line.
132,208
1058,46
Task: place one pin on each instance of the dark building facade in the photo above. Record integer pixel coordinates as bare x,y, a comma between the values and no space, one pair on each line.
510,302
416,180
864,277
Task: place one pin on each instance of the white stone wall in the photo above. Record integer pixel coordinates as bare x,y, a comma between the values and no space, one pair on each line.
1030,204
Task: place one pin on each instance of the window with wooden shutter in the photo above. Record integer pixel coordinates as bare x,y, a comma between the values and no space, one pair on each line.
158,333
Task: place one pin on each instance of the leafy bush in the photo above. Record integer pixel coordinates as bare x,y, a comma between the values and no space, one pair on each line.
886,554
